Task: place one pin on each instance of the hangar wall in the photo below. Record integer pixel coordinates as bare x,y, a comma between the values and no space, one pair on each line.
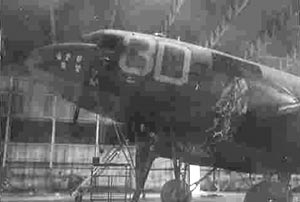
28,165
43,149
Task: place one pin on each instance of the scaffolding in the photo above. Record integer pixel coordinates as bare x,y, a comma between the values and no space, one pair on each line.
99,170
114,185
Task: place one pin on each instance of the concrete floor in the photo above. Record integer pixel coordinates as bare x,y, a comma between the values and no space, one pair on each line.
230,197
223,197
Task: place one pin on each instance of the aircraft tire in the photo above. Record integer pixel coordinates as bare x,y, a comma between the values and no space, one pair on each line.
172,191
78,198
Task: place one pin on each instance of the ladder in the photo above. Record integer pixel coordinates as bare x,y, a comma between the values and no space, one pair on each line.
97,171
96,191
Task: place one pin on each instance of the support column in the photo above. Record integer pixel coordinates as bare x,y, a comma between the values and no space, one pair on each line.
143,161
169,19
102,132
7,128
114,13
52,22
2,46
53,131
97,136
53,38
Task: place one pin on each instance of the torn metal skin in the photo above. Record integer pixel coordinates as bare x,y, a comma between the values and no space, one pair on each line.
232,104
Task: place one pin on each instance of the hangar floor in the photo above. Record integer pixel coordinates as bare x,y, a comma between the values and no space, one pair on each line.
222,197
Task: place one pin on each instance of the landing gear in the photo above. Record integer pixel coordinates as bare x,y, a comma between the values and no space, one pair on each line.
78,198
145,156
268,190
76,114
177,190
144,160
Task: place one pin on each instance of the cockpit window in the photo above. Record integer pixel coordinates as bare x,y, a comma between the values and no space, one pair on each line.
107,41
134,59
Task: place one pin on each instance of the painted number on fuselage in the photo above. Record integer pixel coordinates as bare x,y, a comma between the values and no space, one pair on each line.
172,64
172,61
138,58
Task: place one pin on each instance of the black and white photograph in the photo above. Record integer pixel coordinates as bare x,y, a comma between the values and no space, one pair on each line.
150,100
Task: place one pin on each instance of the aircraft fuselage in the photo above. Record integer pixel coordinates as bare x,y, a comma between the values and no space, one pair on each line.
175,85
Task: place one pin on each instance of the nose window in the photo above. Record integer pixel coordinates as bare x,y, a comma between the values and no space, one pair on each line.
107,41
134,59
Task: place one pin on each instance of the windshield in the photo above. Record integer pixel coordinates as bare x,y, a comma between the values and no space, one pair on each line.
105,41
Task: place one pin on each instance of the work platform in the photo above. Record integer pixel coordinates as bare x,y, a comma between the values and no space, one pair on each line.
103,186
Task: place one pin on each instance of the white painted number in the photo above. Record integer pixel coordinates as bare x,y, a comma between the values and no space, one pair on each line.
138,59
171,59
168,57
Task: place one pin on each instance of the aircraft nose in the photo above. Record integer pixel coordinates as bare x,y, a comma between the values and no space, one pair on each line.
68,61
62,67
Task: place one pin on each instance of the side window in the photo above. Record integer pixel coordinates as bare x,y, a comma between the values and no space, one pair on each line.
138,56
173,64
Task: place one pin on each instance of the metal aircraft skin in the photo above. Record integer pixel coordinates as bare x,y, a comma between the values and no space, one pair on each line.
170,84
